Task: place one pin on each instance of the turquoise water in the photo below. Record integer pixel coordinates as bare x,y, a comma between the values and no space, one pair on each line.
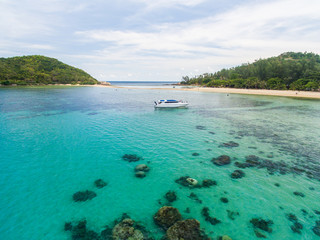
57,141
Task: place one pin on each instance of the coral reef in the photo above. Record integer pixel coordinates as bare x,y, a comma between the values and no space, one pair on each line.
83,196
188,229
131,157
208,218
171,196
166,217
99,183
297,226
221,160
262,224
237,174
229,144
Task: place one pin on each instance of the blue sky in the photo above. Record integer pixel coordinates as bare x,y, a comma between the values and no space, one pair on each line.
155,40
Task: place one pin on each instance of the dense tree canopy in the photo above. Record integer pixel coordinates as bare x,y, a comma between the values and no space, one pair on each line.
294,71
39,70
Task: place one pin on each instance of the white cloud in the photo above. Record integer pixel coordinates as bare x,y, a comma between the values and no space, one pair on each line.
250,30
169,3
240,35
254,28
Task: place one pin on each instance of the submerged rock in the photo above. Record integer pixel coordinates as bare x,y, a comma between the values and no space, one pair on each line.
225,237
195,154
199,127
221,160
230,144
253,158
259,234
106,233
187,182
83,196
80,231
188,229
208,183
131,157
291,217
171,196
100,183
140,174
262,224
192,181
299,194
297,227
142,167
237,174
208,218
242,165
193,196
68,226
316,228
166,217
224,200
232,214
183,181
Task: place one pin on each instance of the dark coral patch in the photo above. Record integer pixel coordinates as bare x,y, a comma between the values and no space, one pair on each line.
221,160
208,218
83,196
131,157
99,183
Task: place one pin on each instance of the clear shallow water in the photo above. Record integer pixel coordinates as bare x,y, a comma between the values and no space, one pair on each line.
57,141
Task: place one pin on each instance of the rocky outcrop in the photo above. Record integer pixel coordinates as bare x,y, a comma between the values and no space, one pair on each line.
140,170
142,167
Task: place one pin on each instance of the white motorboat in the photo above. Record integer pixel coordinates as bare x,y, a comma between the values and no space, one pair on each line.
170,104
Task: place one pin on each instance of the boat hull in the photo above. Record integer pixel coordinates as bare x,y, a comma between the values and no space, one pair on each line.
171,105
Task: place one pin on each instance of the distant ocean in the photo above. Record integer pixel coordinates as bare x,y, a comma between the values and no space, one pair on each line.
57,141
160,84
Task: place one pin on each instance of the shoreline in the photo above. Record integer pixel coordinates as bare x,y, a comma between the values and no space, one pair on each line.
261,92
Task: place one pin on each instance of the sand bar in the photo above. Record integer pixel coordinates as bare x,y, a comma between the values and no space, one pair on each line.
265,92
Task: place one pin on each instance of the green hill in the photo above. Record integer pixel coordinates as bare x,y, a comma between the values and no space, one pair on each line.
294,71
40,70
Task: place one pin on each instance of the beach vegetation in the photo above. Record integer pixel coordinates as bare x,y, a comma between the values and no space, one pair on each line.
288,71
40,70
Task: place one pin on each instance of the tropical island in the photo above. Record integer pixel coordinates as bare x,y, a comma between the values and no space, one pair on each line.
288,71
40,70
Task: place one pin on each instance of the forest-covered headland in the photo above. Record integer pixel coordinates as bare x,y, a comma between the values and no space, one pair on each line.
288,71
40,70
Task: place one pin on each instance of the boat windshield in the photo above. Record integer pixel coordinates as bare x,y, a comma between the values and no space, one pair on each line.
169,101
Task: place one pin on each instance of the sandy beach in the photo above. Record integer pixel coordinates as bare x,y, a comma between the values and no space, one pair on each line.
280,93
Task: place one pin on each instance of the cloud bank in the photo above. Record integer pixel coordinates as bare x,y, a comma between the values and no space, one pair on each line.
160,40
